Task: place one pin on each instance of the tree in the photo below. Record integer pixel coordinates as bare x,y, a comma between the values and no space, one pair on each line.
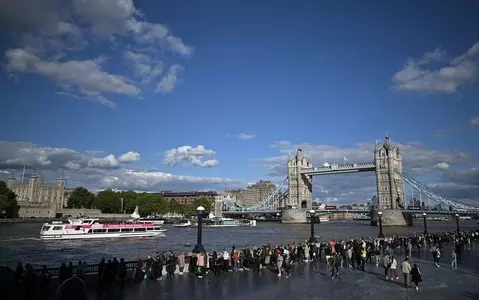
81,198
130,200
108,201
8,201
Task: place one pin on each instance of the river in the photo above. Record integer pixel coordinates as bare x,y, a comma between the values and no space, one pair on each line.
20,242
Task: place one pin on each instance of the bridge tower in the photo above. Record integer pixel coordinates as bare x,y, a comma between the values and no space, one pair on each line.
390,185
300,186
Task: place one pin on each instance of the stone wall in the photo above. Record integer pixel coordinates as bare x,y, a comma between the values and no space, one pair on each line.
292,216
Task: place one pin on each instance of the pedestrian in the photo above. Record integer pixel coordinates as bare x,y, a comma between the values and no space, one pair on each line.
392,269
416,276
386,265
453,259
406,270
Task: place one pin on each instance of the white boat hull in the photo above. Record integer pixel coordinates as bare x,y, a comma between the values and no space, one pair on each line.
182,225
88,236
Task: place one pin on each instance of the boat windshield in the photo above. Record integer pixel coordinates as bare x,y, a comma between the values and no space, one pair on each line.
45,227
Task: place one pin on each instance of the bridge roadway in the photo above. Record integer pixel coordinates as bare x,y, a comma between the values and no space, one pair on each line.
338,169
340,211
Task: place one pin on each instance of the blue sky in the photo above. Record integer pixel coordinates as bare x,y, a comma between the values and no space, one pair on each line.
247,80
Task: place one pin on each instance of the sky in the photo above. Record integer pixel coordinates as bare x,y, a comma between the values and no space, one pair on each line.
214,95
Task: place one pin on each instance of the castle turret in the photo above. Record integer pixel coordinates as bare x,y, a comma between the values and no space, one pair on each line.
11,181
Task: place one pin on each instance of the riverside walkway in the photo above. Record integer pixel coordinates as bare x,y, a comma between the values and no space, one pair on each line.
311,281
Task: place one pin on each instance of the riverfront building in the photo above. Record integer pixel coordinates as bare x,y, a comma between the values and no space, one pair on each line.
255,193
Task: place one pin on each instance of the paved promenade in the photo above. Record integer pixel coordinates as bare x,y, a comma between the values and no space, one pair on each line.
310,281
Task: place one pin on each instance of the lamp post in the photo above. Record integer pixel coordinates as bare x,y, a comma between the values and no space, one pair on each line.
199,246
457,223
381,235
425,224
312,213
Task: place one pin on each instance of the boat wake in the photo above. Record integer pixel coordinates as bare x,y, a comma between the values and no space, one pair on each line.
14,239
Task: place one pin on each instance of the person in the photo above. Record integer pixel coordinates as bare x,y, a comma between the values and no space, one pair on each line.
416,276
453,259
336,262
386,265
406,270
392,269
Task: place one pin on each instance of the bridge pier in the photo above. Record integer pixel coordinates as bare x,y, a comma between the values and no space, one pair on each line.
392,217
294,216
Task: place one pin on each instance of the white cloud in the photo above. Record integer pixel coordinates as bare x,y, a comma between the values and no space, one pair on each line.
420,76
170,80
418,161
442,165
50,33
241,136
99,173
188,154
129,157
474,121
144,66
17,155
86,75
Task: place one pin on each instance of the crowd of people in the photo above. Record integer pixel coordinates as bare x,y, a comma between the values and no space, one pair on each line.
337,254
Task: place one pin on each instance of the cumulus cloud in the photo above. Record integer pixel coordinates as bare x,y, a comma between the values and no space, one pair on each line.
50,33
14,155
129,157
419,161
191,155
97,173
241,136
436,73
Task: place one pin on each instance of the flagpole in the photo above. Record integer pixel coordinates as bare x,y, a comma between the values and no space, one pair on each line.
23,174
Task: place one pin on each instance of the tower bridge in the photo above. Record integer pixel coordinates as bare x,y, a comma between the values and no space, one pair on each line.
293,198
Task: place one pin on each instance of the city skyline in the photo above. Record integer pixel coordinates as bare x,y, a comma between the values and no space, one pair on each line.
126,95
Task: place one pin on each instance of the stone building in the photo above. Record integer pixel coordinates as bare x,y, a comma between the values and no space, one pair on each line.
390,186
255,193
300,185
37,199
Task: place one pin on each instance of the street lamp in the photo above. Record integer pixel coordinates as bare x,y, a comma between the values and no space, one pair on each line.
312,213
457,223
199,246
381,235
425,224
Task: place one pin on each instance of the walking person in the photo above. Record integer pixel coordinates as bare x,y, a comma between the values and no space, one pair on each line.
416,276
279,263
392,269
454,259
406,270
386,265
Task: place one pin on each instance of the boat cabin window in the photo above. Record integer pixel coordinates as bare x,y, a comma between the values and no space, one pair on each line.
114,230
78,228
99,230
140,229
149,228
57,227
126,229
45,228
86,221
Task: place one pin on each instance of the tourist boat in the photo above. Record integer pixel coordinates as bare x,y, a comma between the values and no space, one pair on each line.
93,229
135,217
323,219
183,223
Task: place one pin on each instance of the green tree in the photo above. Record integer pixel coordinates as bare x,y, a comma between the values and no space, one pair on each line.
149,204
175,207
8,201
108,201
130,200
81,198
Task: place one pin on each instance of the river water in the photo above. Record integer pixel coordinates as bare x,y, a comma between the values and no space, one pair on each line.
20,242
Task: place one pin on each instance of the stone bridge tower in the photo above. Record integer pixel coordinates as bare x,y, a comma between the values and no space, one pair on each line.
390,188
390,185
300,186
